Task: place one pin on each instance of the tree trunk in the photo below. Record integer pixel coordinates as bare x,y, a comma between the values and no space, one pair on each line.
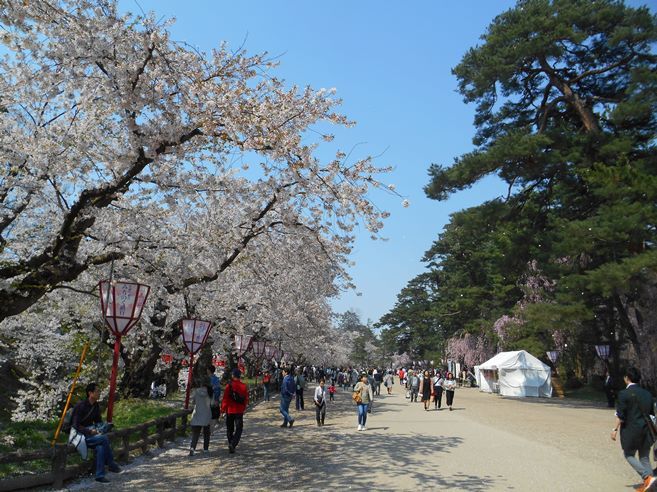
640,311
139,371
585,114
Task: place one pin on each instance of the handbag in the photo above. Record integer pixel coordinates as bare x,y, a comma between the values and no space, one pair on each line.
77,440
356,397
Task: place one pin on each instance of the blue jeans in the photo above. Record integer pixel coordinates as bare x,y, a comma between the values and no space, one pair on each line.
299,400
104,454
641,465
362,413
265,389
285,409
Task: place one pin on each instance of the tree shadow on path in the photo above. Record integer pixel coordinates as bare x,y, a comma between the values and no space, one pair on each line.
388,456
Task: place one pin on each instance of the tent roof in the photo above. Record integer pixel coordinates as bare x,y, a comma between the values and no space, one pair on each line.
518,359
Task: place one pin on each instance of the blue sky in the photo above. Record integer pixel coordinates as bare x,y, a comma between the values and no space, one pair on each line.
391,64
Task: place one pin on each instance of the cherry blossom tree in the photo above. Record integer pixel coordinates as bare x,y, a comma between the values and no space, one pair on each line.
470,349
401,360
193,172
103,116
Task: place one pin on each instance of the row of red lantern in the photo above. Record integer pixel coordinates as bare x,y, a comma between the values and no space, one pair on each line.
260,348
122,304
216,361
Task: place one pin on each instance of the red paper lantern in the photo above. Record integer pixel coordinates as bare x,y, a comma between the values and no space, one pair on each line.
258,347
242,344
121,304
194,333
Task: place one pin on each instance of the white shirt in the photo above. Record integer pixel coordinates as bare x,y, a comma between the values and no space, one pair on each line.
449,384
320,395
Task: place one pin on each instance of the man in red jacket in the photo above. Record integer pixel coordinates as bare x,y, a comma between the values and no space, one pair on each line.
233,404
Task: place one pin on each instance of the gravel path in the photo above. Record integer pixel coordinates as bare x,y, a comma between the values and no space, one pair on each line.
486,443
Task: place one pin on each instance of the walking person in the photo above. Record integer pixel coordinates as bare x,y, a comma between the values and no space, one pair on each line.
378,379
320,403
266,381
331,391
449,385
288,391
215,383
437,390
633,408
300,382
363,397
388,381
215,405
413,385
610,391
233,405
201,416
426,389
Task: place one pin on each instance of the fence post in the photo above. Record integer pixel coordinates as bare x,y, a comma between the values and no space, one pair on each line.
144,439
125,453
173,421
184,424
160,433
60,453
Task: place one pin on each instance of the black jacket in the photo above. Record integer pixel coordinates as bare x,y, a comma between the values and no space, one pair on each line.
632,403
84,416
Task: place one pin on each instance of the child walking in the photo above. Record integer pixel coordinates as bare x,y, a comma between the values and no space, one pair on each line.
331,390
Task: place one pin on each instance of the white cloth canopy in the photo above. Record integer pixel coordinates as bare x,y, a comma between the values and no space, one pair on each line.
516,373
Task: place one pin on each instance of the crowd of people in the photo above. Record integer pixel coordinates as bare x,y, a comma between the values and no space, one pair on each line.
428,385
214,397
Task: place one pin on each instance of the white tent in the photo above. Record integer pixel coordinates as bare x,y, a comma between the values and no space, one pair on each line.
516,373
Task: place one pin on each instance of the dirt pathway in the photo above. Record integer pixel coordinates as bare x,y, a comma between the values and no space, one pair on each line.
486,443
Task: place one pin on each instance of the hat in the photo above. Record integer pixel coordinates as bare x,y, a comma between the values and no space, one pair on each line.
236,373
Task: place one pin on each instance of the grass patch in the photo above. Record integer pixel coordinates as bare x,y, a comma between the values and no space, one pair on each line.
586,393
136,411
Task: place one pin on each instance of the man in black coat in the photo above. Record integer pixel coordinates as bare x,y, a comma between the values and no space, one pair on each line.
634,405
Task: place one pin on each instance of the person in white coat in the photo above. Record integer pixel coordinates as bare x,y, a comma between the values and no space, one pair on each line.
201,417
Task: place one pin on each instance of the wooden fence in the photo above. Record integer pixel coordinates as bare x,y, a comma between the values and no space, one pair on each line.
123,441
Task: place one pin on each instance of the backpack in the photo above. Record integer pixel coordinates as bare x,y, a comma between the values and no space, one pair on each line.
237,398
68,420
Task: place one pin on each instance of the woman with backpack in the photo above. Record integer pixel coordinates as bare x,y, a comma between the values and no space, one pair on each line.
388,381
363,397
